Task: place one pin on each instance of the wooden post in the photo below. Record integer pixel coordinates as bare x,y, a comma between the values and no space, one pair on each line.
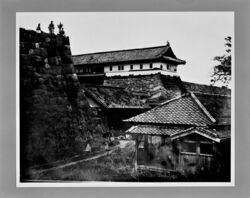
136,147
198,150
179,146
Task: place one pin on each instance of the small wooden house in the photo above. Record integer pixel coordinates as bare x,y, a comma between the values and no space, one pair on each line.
186,134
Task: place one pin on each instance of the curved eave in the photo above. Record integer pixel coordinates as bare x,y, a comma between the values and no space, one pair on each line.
175,60
118,62
136,122
164,58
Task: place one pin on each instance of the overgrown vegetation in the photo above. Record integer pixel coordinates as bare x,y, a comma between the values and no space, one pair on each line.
118,166
223,70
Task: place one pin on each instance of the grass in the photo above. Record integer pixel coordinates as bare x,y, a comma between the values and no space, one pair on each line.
118,166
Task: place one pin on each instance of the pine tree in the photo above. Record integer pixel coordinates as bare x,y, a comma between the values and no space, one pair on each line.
222,71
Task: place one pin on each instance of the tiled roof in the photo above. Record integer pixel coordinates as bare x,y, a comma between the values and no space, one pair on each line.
206,89
126,55
185,110
177,132
156,130
113,97
205,132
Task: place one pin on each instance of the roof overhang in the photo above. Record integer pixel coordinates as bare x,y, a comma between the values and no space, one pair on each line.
174,60
173,133
207,134
99,64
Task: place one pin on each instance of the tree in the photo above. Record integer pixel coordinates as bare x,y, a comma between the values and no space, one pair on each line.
222,71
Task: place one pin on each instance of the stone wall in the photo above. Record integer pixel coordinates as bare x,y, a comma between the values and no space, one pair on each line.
156,88
56,121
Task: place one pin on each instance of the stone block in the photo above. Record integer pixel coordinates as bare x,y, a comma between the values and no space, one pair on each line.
54,60
39,52
68,69
36,60
25,59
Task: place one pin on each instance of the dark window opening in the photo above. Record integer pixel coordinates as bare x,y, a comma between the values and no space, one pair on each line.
120,67
206,148
189,147
131,67
110,68
141,66
88,70
161,67
150,65
168,67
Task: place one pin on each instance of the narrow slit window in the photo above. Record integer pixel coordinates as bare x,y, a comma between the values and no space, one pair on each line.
131,67
110,68
150,65
141,66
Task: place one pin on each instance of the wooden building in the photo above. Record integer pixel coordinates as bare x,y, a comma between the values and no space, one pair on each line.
186,134
141,61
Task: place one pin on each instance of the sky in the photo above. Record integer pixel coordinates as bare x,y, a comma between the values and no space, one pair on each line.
195,37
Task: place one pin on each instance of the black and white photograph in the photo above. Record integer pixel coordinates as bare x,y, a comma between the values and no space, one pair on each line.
125,99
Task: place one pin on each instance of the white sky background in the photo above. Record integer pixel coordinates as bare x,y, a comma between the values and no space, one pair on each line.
195,37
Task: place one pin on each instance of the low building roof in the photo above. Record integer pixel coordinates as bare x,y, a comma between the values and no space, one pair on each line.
211,134
114,97
178,132
156,130
127,55
206,89
184,110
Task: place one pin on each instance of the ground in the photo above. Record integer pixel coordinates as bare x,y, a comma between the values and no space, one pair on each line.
116,166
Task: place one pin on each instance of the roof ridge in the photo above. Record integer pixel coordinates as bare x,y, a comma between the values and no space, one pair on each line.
210,94
199,131
95,97
204,110
163,51
173,99
102,52
184,131
206,85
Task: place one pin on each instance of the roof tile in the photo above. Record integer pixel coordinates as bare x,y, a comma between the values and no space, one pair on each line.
183,110
124,55
114,97
156,130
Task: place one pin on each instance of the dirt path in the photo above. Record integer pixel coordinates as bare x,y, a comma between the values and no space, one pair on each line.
122,144
73,163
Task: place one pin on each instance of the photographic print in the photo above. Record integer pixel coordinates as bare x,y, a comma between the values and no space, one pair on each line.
125,99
